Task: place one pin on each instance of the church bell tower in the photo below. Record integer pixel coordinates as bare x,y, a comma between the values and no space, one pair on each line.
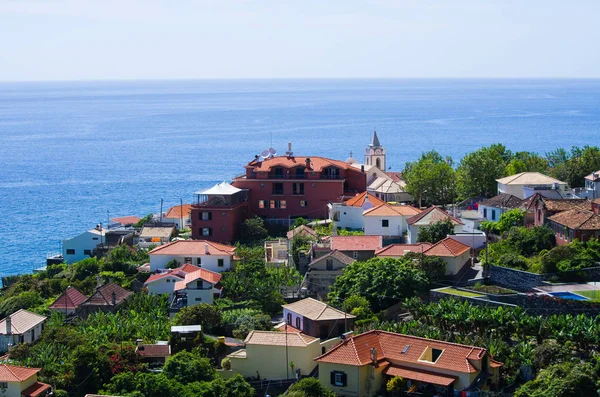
375,153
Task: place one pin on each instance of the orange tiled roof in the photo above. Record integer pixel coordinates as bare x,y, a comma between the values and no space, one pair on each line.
127,220
178,211
202,274
390,346
193,248
356,243
577,219
448,247
432,215
21,321
359,200
420,375
179,273
316,163
13,373
35,390
153,350
70,299
275,338
285,327
399,249
392,210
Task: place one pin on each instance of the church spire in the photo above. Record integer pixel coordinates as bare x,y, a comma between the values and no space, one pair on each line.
375,140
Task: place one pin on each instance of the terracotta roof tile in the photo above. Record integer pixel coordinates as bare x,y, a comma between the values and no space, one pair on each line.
503,200
316,163
275,338
35,390
316,310
127,220
285,327
202,274
340,256
13,373
420,375
154,350
302,229
594,176
70,299
392,210
104,295
556,205
432,215
359,200
21,321
577,219
395,176
193,248
391,346
356,243
400,249
448,247
178,211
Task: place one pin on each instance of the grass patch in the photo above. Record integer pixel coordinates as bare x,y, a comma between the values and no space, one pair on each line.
492,289
454,291
591,294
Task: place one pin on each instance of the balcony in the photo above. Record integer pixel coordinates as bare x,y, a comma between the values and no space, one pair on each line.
332,176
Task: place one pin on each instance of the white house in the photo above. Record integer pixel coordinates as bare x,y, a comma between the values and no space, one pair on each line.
525,184
349,213
428,217
82,246
178,214
20,327
388,220
592,186
164,282
202,253
18,381
197,287
492,208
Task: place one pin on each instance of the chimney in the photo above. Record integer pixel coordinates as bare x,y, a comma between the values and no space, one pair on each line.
114,299
308,162
373,355
206,250
362,168
8,326
139,342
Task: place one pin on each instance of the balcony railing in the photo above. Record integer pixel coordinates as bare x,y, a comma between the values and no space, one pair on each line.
331,177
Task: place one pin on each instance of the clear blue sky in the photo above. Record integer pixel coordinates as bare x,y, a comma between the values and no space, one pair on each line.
121,39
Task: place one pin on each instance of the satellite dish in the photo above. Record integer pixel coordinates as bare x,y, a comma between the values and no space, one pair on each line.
272,152
265,154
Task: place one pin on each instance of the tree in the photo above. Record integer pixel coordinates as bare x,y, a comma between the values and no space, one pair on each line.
431,179
143,221
434,267
172,264
255,229
309,387
382,281
299,222
208,316
186,367
436,231
573,166
477,172
300,242
527,162
562,380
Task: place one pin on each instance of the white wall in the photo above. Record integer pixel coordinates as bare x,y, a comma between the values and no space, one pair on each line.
489,211
28,337
397,225
163,286
454,264
210,262
85,241
473,240
197,296
15,388
294,317
349,217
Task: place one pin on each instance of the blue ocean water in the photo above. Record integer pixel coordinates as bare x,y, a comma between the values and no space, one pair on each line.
70,152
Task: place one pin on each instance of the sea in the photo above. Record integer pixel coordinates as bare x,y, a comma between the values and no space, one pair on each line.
73,154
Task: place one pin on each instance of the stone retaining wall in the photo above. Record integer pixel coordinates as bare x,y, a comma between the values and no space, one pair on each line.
521,280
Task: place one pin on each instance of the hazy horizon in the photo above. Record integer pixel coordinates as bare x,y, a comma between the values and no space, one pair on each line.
74,40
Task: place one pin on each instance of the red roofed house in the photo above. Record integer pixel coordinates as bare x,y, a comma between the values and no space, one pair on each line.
399,250
360,248
576,223
197,287
202,253
129,220
457,255
21,382
428,217
349,214
362,365
163,282
153,353
20,327
107,298
180,215
68,302
388,220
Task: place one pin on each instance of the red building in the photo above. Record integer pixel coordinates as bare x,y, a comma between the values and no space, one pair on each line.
274,188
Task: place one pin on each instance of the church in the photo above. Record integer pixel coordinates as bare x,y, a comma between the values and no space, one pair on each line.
382,183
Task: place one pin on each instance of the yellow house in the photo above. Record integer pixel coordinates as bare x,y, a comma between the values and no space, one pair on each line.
270,355
457,255
21,382
362,365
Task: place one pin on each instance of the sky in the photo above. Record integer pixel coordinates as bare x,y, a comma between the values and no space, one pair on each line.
221,39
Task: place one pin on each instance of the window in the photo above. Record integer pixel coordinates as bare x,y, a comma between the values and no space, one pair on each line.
94,238
223,229
298,188
70,252
223,213
298,322
493,215
3,385
277,188
485,212
299,172
206,231
205,216
338,378
220,262
198,299
187,260
168,280
87,252
385,223
198,261
276,204
329,264
261,203
289,318
355,254
304,203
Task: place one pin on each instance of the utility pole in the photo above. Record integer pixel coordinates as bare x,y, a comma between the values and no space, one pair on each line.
181,212
161,206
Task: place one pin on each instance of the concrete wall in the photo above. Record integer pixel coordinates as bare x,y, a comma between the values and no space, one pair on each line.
373,225
490,213
297,320
455,264
85,241
473,240
209,262
163,286
348,217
